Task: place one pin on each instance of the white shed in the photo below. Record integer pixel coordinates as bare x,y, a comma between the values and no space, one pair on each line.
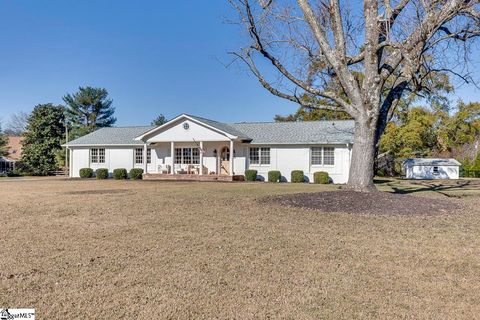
427,168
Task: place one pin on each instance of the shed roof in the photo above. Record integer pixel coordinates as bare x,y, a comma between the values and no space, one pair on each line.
432,162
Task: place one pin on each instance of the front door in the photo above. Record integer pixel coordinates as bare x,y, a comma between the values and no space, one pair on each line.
225,160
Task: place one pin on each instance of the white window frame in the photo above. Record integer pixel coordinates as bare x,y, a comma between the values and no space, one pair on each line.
192,153
149,155
97,155
138,156
322,157
318,156
333,157
262,156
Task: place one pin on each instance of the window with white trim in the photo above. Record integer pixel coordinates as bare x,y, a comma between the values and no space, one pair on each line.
254,156
259,155
316,157
264,155
178,155
195,156
187,156
138,155
329,156
97,155
149,155
322,156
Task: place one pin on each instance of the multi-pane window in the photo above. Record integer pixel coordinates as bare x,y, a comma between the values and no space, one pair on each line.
265,156
97,155
254,156
138,155
178,155
149,155
328,156
322,155
195,156
317,156
187,156
259,156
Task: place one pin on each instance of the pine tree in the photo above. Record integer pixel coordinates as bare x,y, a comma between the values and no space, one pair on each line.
159,120
89,109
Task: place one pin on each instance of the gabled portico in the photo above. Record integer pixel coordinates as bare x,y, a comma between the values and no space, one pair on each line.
191,146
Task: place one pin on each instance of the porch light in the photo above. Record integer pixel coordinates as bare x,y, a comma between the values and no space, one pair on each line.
215,152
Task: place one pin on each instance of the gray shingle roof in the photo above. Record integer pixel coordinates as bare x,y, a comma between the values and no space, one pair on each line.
112,136
311,132
431,162
316,132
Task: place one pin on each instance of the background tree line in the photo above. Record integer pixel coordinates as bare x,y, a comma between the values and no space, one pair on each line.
44,130
435,130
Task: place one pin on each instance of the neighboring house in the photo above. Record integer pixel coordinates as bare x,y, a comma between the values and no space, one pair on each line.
425,168
190,145
14,149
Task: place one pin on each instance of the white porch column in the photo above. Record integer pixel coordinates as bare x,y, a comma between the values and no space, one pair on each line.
145,165
172,153
230,169
201,158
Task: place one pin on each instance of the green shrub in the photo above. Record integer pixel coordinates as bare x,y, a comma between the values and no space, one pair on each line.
136,173
297,176
15,173
321,177
120,174
101,173
251,175
274,176
86,173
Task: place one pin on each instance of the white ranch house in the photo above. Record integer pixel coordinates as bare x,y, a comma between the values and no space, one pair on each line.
198,148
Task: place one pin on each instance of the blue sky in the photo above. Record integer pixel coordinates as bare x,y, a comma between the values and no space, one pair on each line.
152,56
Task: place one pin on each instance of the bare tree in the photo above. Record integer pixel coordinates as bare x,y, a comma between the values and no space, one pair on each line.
373,55
17,124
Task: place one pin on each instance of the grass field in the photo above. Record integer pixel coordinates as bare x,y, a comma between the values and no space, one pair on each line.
153,250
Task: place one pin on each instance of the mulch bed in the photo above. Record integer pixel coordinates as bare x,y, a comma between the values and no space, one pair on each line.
382,203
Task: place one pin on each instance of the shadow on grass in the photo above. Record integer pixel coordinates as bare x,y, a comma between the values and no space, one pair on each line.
435,186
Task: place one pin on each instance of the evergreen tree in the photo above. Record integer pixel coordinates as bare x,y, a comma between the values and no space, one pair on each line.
159,120
89,109
42,139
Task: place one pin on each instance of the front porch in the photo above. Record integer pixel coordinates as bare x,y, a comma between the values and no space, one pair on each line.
188,148
192,177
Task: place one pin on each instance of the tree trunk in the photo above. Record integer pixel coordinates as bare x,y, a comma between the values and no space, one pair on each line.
363,157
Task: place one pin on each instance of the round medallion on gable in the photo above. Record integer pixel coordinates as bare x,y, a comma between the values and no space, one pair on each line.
186,126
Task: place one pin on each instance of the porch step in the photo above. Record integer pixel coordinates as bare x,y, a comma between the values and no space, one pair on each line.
191,177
